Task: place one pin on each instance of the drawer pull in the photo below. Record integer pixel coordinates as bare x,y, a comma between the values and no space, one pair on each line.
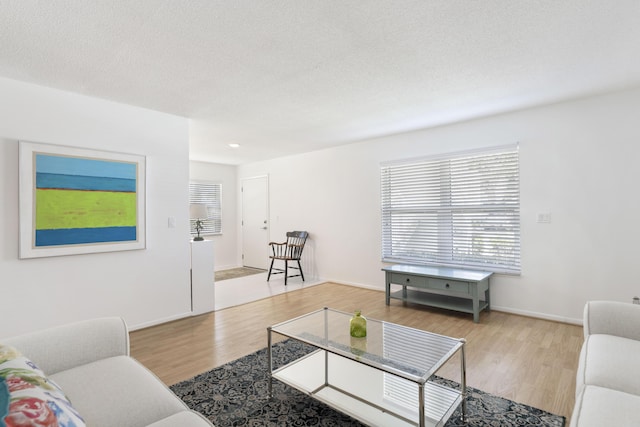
446,286
408,280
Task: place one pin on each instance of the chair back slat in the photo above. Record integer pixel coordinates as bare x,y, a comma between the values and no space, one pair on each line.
295,243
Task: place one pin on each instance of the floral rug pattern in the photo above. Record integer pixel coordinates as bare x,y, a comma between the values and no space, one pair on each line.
236,394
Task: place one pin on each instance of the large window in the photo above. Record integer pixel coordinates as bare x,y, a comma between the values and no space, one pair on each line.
460,210
210,194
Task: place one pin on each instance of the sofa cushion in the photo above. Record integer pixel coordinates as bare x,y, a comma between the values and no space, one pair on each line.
118,391
28,397
600,406
609,361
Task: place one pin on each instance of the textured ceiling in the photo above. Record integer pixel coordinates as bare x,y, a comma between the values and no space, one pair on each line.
288,76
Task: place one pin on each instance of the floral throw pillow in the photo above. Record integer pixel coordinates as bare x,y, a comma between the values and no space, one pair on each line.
28,398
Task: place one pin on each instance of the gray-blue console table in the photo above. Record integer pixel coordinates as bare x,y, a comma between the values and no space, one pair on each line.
449,288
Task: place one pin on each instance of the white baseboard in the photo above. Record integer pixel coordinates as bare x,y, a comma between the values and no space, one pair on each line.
159,321
537,315
225,267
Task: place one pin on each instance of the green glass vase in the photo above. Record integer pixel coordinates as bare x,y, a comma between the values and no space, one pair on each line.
358,346
358,325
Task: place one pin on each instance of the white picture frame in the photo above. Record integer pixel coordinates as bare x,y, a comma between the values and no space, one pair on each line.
78,200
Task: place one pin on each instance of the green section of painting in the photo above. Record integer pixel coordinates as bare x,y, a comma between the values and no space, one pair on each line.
57,209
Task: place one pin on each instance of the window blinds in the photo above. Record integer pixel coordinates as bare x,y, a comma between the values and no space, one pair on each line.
462,210
209,194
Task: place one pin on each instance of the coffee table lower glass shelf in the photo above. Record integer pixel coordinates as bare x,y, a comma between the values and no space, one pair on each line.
376,390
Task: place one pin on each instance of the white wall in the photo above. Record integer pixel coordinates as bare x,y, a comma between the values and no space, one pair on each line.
143,286
226,244
579,161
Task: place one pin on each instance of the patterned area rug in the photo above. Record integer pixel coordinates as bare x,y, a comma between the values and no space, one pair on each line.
234,273
236,394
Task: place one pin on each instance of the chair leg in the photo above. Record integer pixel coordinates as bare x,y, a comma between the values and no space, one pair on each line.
286,271
269,276
300,268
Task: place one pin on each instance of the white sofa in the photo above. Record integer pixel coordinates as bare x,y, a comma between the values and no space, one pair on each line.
90,362
608,377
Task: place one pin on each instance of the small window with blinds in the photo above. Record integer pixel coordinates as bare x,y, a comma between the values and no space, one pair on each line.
462,210
210,194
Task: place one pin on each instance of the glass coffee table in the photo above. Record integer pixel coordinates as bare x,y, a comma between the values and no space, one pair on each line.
382,379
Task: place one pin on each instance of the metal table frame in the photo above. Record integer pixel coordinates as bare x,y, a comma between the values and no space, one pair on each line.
325,345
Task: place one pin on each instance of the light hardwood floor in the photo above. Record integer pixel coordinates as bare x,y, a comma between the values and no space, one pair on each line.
528,360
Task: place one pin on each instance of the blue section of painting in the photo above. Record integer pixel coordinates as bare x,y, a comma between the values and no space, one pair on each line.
90,183
4,401
65,165
76,236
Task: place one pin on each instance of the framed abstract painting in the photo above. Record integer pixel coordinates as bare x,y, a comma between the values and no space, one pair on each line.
78,201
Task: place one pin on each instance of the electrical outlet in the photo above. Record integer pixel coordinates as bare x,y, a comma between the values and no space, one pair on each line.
544,218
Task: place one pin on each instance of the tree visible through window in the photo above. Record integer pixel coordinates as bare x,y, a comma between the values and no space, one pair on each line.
461,210
210,194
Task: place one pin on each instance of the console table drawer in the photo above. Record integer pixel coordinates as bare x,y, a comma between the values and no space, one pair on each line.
448,285
409,280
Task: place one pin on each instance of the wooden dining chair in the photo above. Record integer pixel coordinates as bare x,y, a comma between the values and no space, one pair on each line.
291,250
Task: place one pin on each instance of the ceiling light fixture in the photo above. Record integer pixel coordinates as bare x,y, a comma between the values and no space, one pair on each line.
234,145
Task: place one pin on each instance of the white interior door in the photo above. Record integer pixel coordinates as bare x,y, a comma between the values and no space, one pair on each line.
255,226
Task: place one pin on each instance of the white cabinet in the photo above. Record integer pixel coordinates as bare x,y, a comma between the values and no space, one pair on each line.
202,277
